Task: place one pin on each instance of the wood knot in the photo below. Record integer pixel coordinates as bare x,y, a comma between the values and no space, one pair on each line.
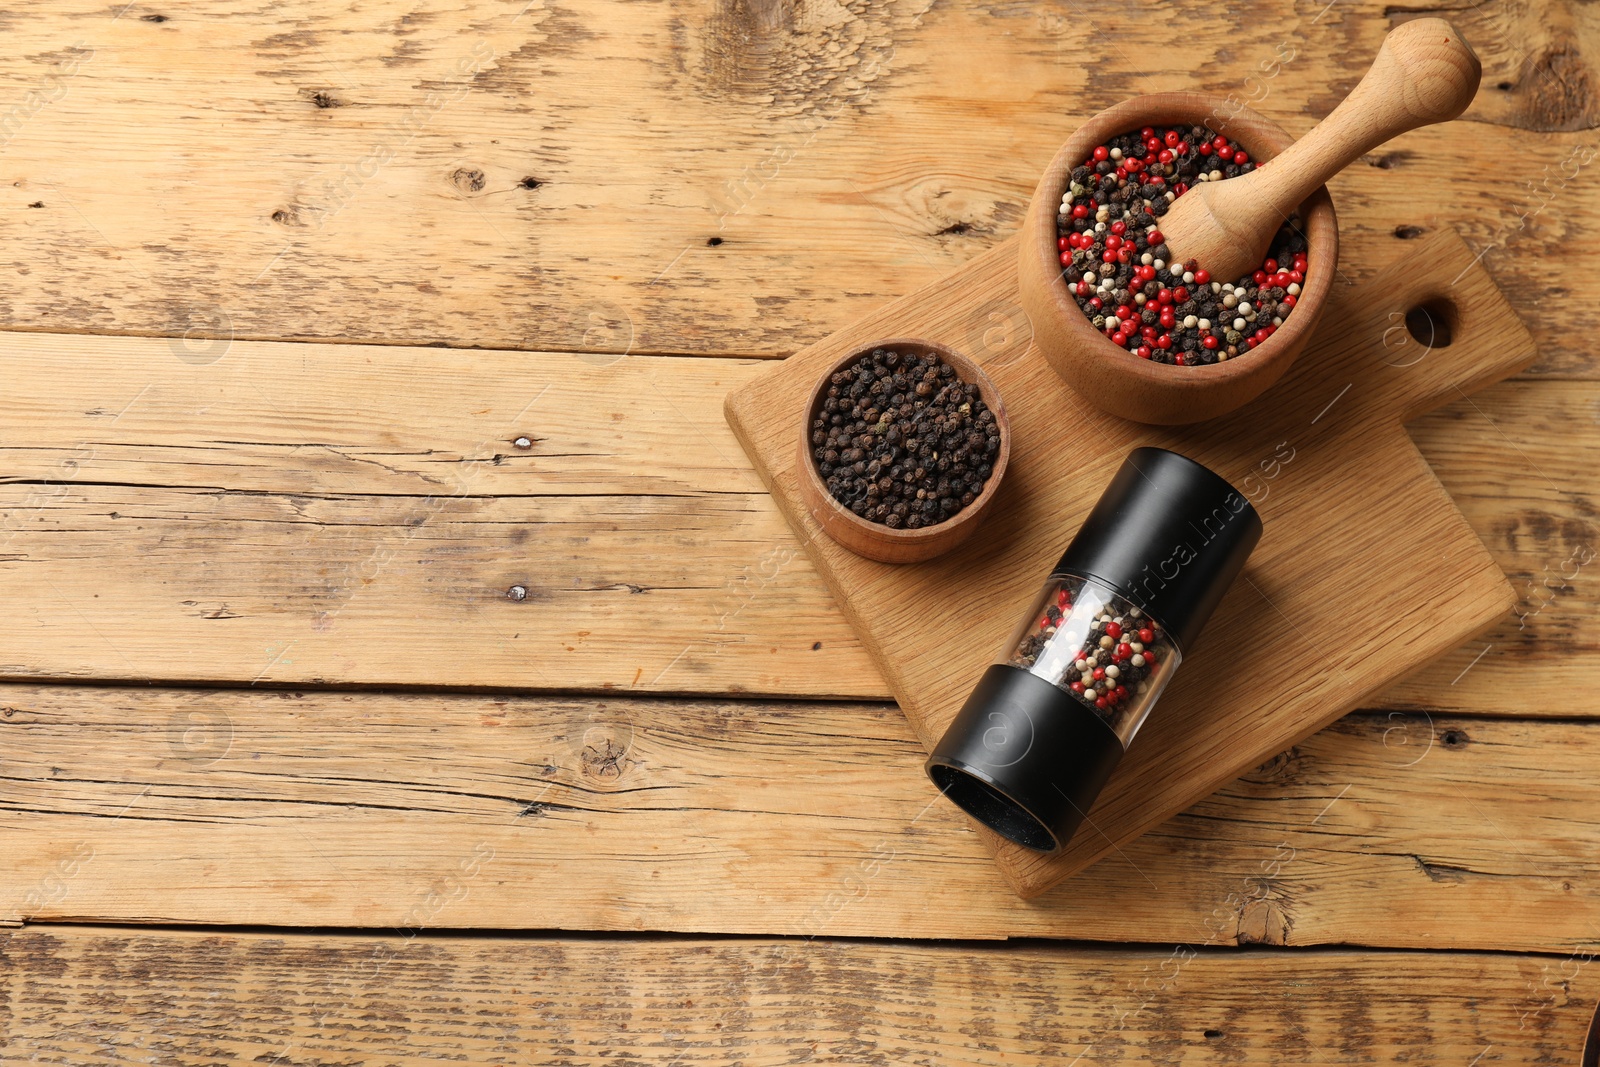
1557,92
1272,770
322,98
1264,922
606,760
469,180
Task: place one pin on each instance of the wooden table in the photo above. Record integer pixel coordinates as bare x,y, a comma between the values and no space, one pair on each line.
403,662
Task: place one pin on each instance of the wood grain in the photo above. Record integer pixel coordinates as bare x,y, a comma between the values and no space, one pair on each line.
1325,558
314,464
89,997
549,175
382,810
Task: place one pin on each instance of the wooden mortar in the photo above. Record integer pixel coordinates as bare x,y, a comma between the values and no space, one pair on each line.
1113,378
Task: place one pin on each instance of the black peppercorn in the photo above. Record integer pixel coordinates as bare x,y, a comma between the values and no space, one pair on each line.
893,404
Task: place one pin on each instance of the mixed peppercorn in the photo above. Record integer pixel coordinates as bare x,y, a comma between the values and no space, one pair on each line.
901,440
1105,657
1114,259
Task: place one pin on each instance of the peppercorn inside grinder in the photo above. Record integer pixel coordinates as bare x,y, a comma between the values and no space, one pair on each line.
1051,717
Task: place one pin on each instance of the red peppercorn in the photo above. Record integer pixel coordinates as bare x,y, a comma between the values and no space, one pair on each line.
1101,153
1080,211
1108,256
1155,237
1101,702
1077,687
1270,266
1146,635
1288,301
1164,342
1205,149
1099,673
1259,277
1113,242
1143,351
1219,142
1225,153
1169,318
1113,630
1173,139
1202,277
1096,303
1124,311
1209,341
1063,243
1119,227
1241,158
1180,295
1147,132
1297,276
1123,651
1178,359
1181,188
1066,258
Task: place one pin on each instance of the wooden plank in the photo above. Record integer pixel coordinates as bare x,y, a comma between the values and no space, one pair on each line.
86,996
1326,556
312,563
362,809
553,176
353,514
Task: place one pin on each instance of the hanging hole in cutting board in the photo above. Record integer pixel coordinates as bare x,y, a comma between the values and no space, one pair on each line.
1432,323
1429,324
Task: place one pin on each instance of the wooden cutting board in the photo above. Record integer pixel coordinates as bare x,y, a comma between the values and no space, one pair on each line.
1366,570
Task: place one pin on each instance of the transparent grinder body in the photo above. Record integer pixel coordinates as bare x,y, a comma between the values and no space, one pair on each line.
1097,647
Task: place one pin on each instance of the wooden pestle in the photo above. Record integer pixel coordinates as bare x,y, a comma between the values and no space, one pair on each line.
1424,73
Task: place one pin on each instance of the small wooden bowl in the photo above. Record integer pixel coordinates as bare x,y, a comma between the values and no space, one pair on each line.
1109,375
874,540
